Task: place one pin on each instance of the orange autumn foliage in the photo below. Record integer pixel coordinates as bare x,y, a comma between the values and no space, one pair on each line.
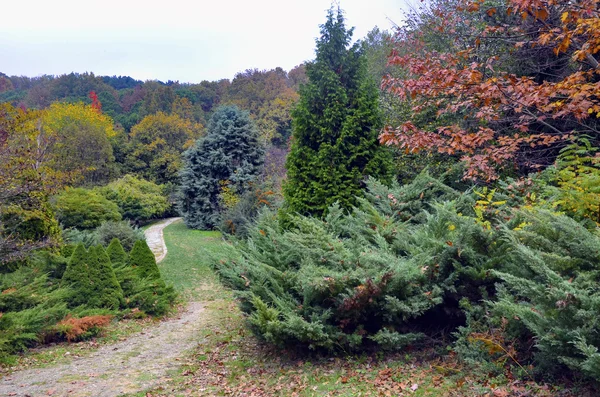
74,328
499,117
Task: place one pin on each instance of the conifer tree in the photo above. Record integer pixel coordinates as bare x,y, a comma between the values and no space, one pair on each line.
76,276
145,288
116,253
335,127
107,291
142,259
230,154
91,279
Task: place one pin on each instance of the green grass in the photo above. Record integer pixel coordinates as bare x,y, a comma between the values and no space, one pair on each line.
188,264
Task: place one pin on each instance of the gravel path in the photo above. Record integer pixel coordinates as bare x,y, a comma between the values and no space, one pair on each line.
135,364
155,240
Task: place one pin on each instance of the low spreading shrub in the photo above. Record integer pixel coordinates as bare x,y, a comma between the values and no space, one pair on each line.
516,286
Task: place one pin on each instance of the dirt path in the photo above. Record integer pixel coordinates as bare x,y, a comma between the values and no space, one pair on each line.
135,364
155,240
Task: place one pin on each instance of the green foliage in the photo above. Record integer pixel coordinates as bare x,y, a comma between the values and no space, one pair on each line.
84,209
156,144
123,231
230,152
91,279
48,262
548,299
142,259
138,199
78,139
116,252
372,276
151,296
578,176
239,217
51,298
29,302
519,285
27,222
335,127
74,236
142,283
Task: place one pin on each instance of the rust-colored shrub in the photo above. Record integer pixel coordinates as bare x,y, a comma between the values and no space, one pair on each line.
75,328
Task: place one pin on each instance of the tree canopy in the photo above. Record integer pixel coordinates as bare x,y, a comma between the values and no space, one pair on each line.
509,81
335,126
78,141
156,144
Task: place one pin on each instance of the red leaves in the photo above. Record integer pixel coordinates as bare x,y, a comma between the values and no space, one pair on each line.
96,105
495,104
73,328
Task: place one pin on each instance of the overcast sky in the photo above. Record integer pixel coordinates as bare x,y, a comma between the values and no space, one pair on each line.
189,41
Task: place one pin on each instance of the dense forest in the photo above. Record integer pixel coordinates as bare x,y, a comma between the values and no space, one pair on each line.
438,185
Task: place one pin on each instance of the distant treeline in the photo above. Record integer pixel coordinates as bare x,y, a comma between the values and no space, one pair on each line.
267,95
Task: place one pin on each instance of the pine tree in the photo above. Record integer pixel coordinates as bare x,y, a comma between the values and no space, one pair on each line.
91,278
107,291
335,127
146,290
229,154
142,259
116,252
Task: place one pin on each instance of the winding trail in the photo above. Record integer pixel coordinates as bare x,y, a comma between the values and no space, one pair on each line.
137,363
155,239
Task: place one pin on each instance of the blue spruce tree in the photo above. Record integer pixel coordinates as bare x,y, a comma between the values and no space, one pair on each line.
229,153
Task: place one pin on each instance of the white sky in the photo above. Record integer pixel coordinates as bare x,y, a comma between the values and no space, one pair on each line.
180,40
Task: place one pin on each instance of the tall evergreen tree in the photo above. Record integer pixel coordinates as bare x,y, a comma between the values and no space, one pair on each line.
335,126
230,153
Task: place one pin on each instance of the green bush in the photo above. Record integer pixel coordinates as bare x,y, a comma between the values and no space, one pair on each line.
548,297
142,283
36,306
29,302
240,217
103,234
370,277
143,261
116,252
21,330
73,237
138,200
84,209
518,286
91,279
50,263
123,231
